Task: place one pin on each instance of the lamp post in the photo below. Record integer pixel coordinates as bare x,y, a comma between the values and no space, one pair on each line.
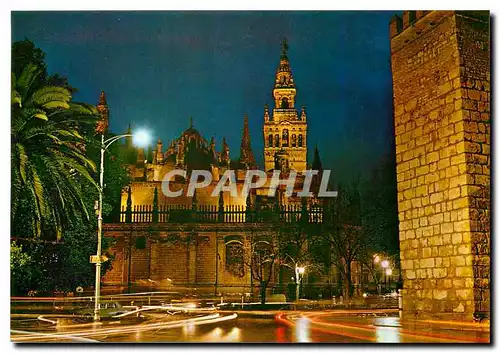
299,273
388,272
375,260
142,138
385,266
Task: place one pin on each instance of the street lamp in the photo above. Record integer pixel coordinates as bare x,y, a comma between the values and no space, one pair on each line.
388,272
141,139
385,265
299,273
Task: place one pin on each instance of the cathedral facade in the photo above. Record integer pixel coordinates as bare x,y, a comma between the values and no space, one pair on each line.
198,242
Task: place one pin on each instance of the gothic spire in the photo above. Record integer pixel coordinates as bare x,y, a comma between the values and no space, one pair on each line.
102,99
247,159
128,139
225,159
212,150
102,108
316,164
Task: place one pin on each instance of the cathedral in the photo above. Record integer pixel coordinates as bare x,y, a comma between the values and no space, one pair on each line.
191,242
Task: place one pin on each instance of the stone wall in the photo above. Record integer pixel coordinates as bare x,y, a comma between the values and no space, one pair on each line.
441,84
174,260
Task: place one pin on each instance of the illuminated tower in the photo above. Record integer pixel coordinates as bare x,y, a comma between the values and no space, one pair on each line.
285,131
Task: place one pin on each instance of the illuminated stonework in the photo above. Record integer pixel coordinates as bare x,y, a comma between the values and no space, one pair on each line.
441,82
285,131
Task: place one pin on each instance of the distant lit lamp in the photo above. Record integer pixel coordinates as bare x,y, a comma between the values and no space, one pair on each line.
384,264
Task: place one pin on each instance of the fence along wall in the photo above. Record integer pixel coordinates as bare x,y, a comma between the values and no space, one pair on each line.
219,213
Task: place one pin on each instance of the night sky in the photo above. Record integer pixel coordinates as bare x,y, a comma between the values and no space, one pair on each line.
160,68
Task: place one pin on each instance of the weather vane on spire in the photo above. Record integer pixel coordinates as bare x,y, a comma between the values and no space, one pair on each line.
284,47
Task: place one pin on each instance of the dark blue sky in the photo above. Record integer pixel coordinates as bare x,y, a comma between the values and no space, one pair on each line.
160,68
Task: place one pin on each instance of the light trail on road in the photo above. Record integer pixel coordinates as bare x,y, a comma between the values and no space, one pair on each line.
104,331
56,336
324,322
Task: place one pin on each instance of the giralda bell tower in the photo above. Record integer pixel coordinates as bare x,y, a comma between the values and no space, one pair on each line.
285,131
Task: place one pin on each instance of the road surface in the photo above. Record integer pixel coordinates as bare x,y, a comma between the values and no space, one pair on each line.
283,327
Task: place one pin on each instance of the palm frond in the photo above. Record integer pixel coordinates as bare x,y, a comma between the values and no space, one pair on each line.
51,97
27,78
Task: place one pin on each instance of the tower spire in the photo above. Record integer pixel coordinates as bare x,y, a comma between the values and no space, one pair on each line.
128,139
247,159
284,77
102,108
225,159
316,164
284,49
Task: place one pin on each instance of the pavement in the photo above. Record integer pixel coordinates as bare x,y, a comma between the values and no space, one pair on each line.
36,321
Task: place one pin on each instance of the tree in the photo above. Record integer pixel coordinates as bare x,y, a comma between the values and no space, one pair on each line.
19,269
25,53
54,154
47,153
343,233
298,247
262,253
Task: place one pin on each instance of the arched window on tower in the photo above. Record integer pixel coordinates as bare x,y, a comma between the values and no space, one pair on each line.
294,140
270,140
300,140
276,140
284,103
284,140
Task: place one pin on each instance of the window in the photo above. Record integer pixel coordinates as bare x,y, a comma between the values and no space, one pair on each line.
284,103
270,140
300,140
276,140
234,256
294,140
284,141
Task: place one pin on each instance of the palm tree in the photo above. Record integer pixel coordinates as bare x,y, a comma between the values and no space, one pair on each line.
47,152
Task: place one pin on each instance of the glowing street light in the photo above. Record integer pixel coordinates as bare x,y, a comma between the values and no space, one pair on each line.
141,137
388,273
385,264
299,273
376,258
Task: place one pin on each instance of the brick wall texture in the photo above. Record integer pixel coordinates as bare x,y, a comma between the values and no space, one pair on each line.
441,86
183,263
